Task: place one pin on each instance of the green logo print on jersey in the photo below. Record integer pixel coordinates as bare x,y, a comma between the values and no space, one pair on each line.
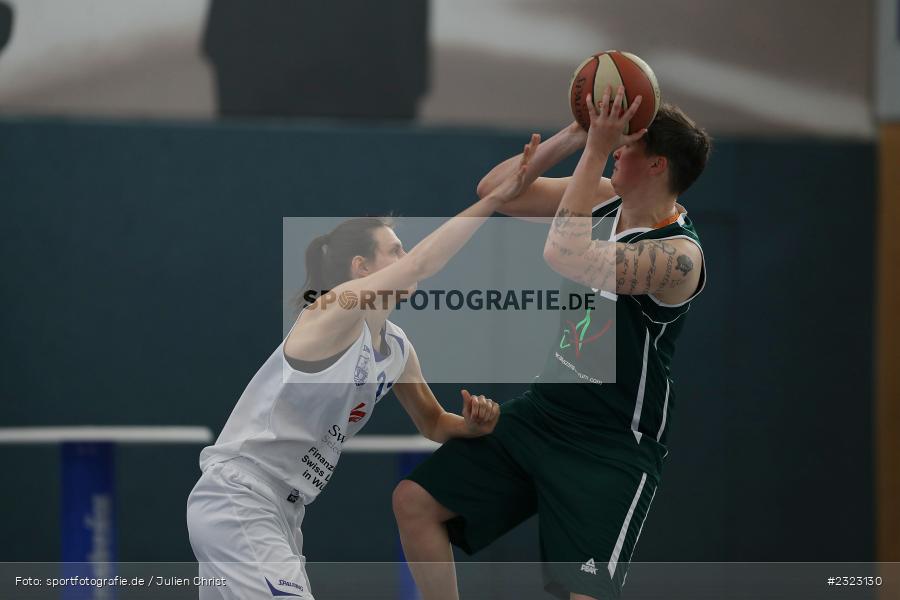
581,328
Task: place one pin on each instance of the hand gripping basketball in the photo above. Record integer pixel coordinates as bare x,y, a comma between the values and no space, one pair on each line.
608,121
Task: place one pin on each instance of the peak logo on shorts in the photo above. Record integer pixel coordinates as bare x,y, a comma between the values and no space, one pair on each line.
589,567
284,582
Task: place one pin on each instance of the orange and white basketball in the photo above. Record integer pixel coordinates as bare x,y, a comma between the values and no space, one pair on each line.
613,68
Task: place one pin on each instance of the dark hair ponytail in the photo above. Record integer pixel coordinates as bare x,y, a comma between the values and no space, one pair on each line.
328,256
315,264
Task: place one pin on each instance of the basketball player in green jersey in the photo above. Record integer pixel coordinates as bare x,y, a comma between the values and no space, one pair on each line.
586,456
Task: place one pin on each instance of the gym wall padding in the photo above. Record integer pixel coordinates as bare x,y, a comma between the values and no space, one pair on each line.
142,285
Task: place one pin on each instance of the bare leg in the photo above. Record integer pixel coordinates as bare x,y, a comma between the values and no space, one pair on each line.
580,597
426,544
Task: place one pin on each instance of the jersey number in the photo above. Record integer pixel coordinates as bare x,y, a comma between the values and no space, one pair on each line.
381,386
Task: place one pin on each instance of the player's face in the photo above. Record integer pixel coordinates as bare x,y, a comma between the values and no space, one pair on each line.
388,248
632,165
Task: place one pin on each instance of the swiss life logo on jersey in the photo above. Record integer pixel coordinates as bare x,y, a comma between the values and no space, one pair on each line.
357,414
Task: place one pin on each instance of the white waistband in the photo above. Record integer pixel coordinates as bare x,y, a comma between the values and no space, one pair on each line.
281,489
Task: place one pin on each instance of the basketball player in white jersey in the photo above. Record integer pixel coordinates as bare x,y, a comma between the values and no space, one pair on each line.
318,388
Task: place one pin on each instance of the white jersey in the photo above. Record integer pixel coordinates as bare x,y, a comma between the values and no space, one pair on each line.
294,424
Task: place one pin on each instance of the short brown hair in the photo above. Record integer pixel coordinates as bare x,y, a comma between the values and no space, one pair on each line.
685,145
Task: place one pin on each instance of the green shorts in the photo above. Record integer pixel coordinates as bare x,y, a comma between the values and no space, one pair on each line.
590,508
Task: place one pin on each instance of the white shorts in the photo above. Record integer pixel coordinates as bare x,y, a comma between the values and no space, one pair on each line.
244,531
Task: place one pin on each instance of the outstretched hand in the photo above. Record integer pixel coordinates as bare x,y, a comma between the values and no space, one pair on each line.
608,121
515,183
480,413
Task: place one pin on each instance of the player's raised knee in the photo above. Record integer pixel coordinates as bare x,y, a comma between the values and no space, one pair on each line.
412,501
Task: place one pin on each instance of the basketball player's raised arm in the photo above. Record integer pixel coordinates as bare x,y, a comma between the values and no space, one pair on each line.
479,416
428,257
659,267
540,196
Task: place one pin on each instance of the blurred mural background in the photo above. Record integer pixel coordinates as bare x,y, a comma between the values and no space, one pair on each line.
149,150
770,68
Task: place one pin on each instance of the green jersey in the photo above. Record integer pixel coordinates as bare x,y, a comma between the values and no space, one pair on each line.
628,419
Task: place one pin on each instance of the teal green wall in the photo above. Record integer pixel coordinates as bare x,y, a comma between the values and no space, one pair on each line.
141,285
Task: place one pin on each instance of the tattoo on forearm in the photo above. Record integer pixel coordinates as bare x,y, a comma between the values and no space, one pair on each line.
566,213
566,220
651,250
620,282
607,275
598,266
570,232
563,250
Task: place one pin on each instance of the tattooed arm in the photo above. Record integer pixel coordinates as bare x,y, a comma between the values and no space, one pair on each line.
665,268
668,269
569,249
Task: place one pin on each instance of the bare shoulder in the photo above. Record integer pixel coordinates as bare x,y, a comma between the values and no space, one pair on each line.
684,260
317,333
669,269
